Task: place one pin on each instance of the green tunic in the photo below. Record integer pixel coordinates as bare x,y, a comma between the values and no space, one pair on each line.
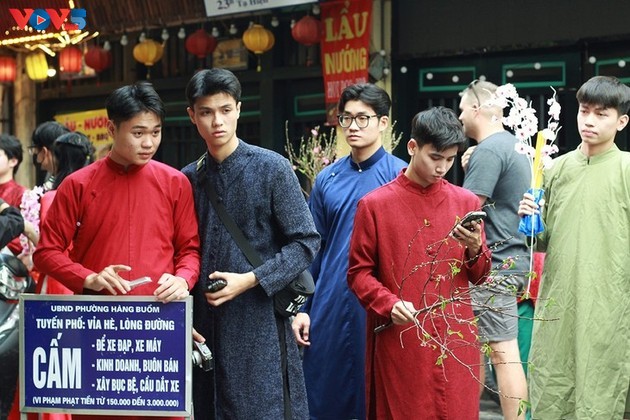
580,356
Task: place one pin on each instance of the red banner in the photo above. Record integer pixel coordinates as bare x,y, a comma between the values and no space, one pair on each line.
345,48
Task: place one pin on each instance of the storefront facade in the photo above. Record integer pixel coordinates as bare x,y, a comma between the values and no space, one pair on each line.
438,48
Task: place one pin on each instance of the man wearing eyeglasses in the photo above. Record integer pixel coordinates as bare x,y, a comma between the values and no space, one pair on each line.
334,360
498,175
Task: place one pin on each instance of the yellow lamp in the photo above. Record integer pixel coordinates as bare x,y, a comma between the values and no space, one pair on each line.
36,66
258,40
148,52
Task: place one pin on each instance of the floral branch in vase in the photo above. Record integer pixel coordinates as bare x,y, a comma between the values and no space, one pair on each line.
319,150
314,153
522,120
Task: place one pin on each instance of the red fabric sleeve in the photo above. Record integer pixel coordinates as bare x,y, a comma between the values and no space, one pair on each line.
50,255
186,240
363,266
479,267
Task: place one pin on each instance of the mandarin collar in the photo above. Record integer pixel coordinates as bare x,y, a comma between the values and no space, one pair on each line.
240,151
120,169
366,164
415,187
599,158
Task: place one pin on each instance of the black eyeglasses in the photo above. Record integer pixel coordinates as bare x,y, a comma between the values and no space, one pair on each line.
362,120
471,87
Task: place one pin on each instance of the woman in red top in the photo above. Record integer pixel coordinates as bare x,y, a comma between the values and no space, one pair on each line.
72,151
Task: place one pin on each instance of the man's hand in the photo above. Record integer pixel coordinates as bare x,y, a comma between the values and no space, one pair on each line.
198,337
171,288
237,283
403,312
469,237
528,206
301,325
108,279
466,157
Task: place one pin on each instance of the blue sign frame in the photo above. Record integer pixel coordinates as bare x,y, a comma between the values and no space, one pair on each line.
111,355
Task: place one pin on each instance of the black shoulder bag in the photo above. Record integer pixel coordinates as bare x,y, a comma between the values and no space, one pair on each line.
289,300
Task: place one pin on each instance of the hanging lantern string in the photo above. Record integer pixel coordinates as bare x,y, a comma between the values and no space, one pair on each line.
258,40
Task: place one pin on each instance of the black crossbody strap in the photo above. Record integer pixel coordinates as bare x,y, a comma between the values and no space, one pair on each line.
255,260
229,223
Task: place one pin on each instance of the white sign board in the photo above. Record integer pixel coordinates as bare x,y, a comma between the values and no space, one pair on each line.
228,7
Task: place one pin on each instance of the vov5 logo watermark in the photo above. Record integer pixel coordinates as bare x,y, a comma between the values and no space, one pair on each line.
41,19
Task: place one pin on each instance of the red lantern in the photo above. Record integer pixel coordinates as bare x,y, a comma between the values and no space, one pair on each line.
200,43
8,68
98,58
307,31
70,60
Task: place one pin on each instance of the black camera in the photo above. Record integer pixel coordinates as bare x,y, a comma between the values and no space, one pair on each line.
202,356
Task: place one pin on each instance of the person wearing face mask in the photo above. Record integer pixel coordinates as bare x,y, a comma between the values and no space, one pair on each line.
41,149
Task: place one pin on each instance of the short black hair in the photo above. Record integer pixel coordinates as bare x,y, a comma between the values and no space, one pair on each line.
438,126
606,91
128,101
209,82
368,93
46,133
12,148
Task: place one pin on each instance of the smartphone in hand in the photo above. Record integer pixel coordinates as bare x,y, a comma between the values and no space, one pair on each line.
139,282
476,216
